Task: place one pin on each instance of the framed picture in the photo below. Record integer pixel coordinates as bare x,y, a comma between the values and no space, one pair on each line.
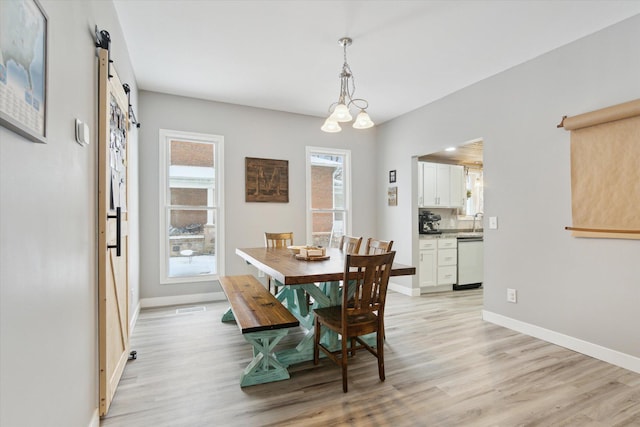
392,176
392,196
266,180
23,68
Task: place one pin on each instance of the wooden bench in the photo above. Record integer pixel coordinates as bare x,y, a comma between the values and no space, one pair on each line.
263,321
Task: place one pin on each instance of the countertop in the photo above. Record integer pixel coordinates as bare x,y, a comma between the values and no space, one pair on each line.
453,234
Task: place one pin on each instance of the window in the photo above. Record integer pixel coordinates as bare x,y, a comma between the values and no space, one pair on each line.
475,193
191,219
328,195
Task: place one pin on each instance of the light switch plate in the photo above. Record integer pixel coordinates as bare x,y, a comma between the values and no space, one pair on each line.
82,133
493,222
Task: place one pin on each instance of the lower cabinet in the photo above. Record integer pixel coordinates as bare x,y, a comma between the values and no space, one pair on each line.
447,261
427,269
438,263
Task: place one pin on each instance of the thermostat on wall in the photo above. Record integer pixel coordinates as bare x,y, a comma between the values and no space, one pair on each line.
82,133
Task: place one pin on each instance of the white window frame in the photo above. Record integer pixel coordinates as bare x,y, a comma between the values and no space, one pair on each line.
166,136
347,188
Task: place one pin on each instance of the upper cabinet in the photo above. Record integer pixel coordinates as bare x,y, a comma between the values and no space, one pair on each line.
441,185
457,185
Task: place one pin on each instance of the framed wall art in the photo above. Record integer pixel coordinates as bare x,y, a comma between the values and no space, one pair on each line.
23,68
266,180
392,176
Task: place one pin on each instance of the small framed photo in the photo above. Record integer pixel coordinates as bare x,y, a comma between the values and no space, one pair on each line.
392,176
392,196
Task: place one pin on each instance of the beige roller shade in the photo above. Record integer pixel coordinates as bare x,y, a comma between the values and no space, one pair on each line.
605,172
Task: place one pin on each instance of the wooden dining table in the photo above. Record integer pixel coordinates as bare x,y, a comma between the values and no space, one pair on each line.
319,278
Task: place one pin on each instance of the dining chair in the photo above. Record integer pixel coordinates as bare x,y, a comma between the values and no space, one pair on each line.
360,314
277,240
350,244
375,246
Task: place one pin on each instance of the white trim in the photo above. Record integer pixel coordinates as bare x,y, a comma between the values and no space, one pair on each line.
608,355
95,419
220,227
412,292
182,299
436,288
166,135
134,318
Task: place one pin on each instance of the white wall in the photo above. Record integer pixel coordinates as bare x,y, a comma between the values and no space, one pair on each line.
48,294
248,132
586,289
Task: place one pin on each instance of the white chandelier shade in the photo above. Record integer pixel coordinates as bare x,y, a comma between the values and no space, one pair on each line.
363,121
331,126
341,114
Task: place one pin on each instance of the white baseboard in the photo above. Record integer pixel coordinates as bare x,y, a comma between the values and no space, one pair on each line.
95,419
134,318
608,355
416,292
437,288
182,299
412,292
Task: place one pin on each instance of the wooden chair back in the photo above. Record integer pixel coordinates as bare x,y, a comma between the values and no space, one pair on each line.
365,279
350,244
278,240
367,290
375,246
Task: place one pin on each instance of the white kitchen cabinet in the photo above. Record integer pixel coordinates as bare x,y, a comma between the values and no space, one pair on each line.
458,187
438,263
448,243
447,275
440,185
447,257
427,268
447,261
420,185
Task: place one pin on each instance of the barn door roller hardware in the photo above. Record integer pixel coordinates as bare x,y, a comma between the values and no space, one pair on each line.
103,41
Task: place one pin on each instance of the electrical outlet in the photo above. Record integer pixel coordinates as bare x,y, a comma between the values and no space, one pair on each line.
260,273
512,295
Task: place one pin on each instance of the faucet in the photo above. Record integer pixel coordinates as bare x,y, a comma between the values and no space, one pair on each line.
474,220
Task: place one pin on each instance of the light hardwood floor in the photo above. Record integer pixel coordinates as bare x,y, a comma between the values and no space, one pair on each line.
444,367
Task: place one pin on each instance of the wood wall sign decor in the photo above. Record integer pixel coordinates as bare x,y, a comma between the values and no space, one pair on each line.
266,180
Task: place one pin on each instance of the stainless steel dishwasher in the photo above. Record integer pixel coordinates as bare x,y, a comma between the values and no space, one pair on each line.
470,262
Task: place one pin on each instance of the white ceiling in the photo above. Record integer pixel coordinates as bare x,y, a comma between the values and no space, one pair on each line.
284,54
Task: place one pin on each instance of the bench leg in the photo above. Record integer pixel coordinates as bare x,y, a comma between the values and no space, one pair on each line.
228,316
264,368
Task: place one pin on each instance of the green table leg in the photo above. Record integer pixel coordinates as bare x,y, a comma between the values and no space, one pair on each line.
322,298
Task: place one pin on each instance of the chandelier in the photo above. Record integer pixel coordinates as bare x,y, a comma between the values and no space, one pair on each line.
339,111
